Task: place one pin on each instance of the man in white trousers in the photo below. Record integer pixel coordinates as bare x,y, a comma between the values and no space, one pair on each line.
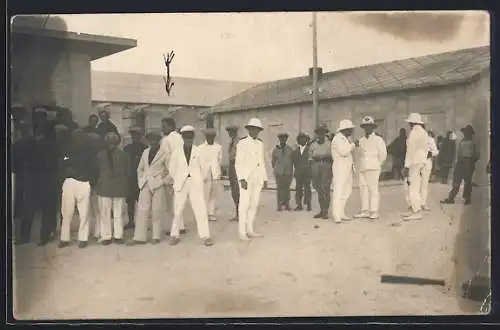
432,152
342,168
112,189
186,170
171,141
252,176
417,147
79,170
373,153
152,177
211,157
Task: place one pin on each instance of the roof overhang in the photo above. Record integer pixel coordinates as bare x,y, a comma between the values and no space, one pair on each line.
96,46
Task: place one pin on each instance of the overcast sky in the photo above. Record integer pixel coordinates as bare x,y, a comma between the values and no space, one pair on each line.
258,47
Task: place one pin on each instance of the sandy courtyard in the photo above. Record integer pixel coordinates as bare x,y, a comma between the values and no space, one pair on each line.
302,267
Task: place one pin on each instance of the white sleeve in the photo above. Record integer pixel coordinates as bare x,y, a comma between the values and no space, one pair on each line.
382,150
239,164
343,147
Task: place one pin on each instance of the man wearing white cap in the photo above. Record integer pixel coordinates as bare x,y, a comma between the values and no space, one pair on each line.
343,169
373,154
187,171
417,146
211,157
171,141
251,172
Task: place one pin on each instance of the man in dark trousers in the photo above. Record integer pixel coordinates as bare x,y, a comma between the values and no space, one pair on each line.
105,126
446,156
232,131
467,156
134,151
397,149
302,171
39,161
282,163
320,156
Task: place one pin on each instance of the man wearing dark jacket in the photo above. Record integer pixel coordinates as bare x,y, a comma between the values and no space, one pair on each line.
79,172
38,162
397,149
282,163
134,151
302,171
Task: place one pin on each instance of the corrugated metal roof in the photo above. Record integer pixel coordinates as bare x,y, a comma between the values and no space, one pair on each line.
150,89
430,70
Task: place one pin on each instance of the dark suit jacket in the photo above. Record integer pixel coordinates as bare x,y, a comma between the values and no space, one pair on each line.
301,162
113,181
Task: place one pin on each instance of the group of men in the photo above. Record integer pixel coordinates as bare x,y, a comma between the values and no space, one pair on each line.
328,161
85,169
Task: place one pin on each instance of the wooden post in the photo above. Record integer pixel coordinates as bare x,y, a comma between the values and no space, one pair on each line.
315,71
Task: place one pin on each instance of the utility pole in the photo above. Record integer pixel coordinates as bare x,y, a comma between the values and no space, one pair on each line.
315,71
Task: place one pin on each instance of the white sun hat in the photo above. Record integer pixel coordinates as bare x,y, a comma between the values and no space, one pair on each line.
255,122
345,124
187,128
415,118
367,120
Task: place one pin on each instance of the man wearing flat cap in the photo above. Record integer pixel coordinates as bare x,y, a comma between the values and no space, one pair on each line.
232,131
320,157
302,172
134,151
187,172
467,156
282,163
152,177
210,158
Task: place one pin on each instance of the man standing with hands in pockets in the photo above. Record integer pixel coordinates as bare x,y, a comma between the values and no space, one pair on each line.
373,155
252,176
343,168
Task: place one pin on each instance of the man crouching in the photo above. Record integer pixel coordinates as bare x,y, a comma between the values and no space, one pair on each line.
186,170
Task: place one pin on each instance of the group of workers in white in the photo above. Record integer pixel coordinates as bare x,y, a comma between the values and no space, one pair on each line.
173,166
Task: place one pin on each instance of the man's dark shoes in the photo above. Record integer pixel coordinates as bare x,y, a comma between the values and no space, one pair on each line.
447,201
63,244
298,208
82,245
319,215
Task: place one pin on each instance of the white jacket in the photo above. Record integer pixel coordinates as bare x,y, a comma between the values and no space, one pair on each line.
417,146
342,152
373,152
180,170
210,158
171,142
156,174
250,163
432,146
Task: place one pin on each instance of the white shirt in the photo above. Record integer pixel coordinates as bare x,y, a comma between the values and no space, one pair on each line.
250,160
301,149
169,143
432,147
417,146
373,152
342,151
210,158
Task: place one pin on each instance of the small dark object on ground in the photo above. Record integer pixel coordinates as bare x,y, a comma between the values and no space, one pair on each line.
478,288
316,226
410,280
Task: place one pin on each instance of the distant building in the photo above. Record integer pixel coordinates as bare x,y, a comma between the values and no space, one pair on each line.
139,99
447,88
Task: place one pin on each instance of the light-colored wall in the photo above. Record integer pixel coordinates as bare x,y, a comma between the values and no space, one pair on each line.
446,108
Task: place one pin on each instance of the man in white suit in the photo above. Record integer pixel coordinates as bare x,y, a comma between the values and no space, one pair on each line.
186,169
432,152
211,157
373,152
171,141
417,147
343,169
152,177
252,176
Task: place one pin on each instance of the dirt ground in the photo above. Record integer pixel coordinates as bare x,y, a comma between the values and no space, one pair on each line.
301,267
